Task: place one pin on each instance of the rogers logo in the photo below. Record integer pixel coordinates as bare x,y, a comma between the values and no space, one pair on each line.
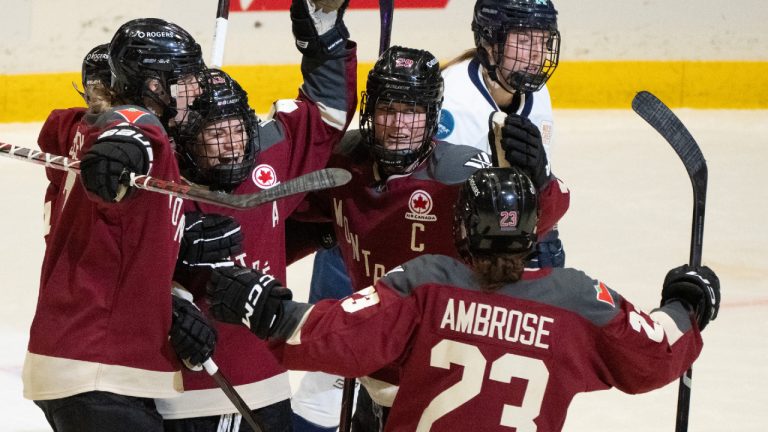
141,35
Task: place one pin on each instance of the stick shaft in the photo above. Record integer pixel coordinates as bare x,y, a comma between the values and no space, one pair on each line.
220,34
232,395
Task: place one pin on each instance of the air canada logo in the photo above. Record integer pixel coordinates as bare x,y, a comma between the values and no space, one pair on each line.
264,176
420,206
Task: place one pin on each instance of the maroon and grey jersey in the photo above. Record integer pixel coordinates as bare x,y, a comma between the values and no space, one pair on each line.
297,139
517,355
380,225
103,310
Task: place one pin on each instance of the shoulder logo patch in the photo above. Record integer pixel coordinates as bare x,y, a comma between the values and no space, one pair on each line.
131,115
446,125
479,161
603,294
264,176
420,205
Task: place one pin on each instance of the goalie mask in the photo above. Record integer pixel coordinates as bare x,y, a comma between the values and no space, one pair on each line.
219,143
496,213
400,108
151,50
517,42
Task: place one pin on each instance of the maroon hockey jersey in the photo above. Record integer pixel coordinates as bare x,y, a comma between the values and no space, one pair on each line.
381,224
103,310
297,139
517,356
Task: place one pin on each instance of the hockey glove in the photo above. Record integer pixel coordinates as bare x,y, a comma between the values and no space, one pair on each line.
192,336
242,296
114,154
697,288
318,26
520,140
209,239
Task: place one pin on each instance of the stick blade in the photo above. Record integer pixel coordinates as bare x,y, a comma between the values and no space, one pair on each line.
666,123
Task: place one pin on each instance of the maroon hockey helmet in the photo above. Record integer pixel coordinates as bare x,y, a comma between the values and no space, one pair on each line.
496,213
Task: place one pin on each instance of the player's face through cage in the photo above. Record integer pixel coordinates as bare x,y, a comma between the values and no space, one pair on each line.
221,142
527,58
399,126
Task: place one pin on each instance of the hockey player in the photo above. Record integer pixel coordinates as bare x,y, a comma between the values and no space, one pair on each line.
98,350
517,49
225,147
404,183
524,342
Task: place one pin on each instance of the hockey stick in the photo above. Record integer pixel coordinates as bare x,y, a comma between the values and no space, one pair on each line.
234,397
658,115
386,12
316,180
220,34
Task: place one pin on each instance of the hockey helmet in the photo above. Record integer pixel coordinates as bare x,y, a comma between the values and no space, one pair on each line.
403,82
219,143
96,66
152,48
496,213
527,62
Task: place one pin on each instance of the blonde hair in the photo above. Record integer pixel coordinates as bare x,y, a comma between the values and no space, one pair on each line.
466,55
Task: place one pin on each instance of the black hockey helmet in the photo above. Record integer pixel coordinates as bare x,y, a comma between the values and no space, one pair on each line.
147,48
96,67
496,213
219,143
537,51
402,76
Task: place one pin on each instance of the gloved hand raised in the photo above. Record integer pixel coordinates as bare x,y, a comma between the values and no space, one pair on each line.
318,26
521,143
242,296
192,335
697,288
115,153
209,239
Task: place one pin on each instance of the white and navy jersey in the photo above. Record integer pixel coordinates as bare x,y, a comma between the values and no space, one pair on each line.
468,105
517,355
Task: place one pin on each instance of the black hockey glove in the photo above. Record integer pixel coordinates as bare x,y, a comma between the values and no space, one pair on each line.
116,152
209,239
242,296
318,26
521,141
192,336
697,288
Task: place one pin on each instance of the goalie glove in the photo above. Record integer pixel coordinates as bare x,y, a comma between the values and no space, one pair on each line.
318,26
192,336
697,288
209,239
115,153
242,296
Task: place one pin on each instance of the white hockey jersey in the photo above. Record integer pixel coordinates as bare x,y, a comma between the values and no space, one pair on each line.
468,105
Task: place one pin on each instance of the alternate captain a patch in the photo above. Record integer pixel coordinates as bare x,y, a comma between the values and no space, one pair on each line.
603,294
131,115
264,176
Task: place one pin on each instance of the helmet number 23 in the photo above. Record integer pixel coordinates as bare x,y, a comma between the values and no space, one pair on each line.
448,352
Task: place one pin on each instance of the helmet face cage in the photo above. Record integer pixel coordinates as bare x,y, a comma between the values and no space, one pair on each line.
517,42
219,142
152,58
496,213
96,67
400,109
